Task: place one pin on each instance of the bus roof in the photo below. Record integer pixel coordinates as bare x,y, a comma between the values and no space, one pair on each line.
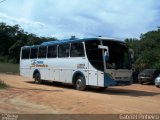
75,40
78,40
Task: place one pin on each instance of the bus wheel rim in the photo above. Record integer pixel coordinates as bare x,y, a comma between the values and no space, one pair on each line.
79,83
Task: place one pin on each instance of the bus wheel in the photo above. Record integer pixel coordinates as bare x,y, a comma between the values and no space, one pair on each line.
80,83
102,88
140,82
158,86
37,78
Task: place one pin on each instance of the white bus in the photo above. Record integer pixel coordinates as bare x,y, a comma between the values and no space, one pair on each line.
100,62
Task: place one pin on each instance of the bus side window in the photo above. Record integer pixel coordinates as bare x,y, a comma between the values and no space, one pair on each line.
42,52
63,50
77,50
52,51
34,51
25,53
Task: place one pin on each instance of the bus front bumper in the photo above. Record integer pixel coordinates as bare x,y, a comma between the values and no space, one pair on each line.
108,81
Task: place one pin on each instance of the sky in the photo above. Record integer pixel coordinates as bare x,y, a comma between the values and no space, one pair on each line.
83,18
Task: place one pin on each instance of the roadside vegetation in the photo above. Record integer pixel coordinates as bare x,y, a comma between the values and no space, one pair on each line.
3,85
12,38
9,68
146,49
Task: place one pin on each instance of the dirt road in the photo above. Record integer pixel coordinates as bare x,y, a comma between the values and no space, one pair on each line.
23,96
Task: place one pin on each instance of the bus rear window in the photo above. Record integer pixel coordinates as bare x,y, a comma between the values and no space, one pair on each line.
34,53
25,53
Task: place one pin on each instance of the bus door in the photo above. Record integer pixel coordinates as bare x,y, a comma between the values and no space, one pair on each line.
92,75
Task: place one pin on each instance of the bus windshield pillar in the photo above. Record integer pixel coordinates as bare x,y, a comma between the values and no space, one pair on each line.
105,54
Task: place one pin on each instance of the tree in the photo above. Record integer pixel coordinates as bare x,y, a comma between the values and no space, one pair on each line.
147,50
12,38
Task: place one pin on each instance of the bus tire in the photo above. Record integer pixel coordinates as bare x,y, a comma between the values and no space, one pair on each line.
158,86
102,88
80,83
140,82
37,78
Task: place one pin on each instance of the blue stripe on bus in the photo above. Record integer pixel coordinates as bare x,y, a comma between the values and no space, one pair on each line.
108,81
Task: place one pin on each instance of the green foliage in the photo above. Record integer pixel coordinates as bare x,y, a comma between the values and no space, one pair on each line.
2,85
12,38
9,68
156,65
3,59
147,50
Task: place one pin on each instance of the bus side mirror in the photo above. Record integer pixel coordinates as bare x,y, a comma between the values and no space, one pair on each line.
103,47
106,56
131,51
106,51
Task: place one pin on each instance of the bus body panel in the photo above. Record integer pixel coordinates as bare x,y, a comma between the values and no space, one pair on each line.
62,69
25,69
53,74
100,79
119,74
92,76
117,77
79,65
42,68
108,81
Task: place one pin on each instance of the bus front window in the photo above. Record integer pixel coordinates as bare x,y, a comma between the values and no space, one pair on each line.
119,57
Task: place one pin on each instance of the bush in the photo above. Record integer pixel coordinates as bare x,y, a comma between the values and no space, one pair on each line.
6,59
9,68
3,59
3,85
156,66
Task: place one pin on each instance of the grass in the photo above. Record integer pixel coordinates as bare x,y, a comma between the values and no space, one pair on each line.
9,68
2,85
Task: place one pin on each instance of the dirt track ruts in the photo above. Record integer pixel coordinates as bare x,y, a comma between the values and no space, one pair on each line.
23,96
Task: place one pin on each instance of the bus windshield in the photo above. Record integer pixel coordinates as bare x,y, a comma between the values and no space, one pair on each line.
119,57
